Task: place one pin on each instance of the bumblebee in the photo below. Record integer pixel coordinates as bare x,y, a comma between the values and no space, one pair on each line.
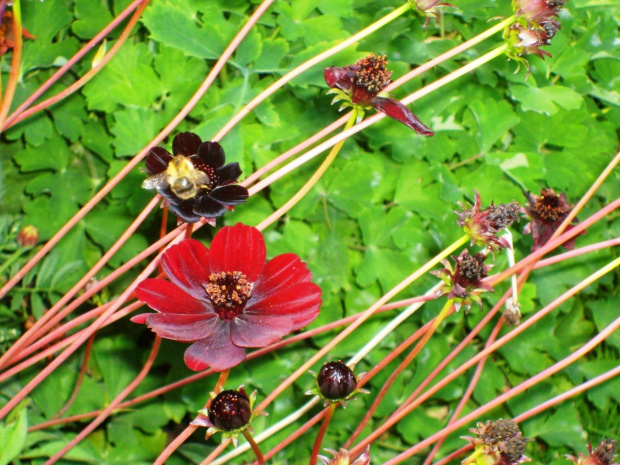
182,176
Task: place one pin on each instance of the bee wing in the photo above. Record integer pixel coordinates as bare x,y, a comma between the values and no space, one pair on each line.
155,182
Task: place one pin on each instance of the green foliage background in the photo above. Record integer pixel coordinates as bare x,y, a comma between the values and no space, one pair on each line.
384,208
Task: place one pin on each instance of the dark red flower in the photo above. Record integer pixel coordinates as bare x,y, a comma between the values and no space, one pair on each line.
604,454
226,298
359,85
230,410
484,225
194,179
336,381
465,281
547,212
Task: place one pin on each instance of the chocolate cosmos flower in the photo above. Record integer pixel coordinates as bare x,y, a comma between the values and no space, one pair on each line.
497,443
547,211
359,85
604,454
226,298
194,179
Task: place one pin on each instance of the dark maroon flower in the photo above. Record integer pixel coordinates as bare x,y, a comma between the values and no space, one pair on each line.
230,410
194,179
484,225
226,298
499,441
547,212
359,86
604,454
336,381
465,281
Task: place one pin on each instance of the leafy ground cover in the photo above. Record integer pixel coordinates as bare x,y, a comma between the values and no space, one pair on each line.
382,210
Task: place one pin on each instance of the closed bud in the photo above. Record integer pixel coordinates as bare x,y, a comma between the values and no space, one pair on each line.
28,236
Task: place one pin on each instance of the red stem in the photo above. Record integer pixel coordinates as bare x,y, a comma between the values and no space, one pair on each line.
327,418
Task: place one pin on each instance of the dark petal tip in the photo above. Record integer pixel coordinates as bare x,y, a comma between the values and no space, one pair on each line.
229,173
230,195
212,154
396,110
208,207
186,143
157,160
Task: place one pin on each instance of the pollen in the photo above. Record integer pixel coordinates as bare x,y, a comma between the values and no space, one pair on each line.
550,206
228,291
372,73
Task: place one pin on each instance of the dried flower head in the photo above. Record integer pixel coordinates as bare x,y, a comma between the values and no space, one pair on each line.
604,454
497,443
465,281
547,212
360,86
226,298
342,457
484,226
7,32
194,179
28,236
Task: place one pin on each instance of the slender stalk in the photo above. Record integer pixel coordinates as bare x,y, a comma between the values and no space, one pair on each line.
500,342
73,60
311,182
111,407
255,448
11,85
445,311
314,456
135,160
309,64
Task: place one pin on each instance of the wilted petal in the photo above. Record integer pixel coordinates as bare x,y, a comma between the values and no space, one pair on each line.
230,195
338,77
217,351
212,154
157,160
238,248
187,265
259,331
186,143
184,328
165,297
396,110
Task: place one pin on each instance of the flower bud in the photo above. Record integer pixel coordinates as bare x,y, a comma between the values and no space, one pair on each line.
230,410
28,236
336,381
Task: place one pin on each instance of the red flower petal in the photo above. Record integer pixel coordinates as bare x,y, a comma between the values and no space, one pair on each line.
165,297
157,160
259,331
396,110
338,77
187,266
279,273
238,248
185,328
186,143
300,301
216,351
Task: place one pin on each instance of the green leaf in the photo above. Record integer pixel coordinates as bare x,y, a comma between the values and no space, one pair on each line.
53,155
92,16
13,433
493,119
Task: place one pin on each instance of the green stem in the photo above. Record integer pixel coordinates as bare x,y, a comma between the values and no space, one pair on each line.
312,181
259,455
12,259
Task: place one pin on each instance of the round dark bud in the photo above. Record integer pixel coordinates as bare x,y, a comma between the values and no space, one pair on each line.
230,410
336,381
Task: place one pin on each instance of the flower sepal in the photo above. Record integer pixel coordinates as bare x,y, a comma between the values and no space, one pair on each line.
230,413
342,457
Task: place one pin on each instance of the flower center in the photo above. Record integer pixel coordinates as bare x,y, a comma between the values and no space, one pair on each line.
472,268
503,215
372,73
228,291
550,206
